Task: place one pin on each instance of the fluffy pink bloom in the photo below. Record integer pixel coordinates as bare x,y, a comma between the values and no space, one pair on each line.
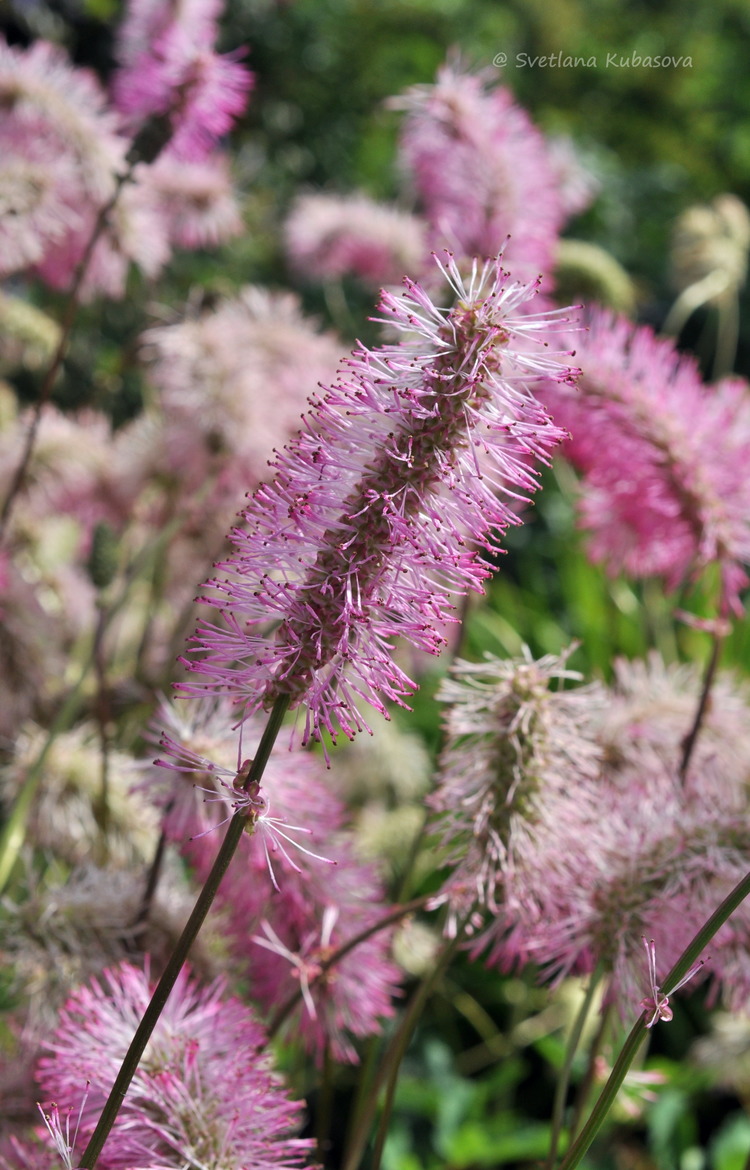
379,507
135,233
203,1093
283,888
232,384
329,236
195,200
294,812
636,850
481,171
170,68
60,151
662,457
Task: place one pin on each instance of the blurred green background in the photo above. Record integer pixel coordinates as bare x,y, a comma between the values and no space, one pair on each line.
475,1091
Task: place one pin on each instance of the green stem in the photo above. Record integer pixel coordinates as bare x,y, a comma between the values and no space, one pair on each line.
388,1072
587,1084
182,947
396,1054
571,1047
686,960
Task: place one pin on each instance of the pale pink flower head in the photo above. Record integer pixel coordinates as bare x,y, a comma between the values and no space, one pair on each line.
169,68
329,236
59,147
135,233
195,200
203,1094
292,815
232,383
514,747
637,850
375,519
662,458
481,171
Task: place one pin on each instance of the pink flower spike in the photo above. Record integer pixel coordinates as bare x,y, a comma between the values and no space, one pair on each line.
658,1002
383,508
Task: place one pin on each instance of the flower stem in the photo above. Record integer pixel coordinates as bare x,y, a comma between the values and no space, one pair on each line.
689,741
633,1042
182,947
563,1080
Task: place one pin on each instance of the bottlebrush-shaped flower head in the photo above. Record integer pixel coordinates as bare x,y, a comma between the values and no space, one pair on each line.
380,507
637,850
514,747
481,170
203,1094
663,458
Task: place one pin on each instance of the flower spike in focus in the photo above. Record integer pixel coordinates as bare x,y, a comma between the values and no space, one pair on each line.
658,1002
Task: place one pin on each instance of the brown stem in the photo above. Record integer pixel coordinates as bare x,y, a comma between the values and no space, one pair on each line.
152,878
689,741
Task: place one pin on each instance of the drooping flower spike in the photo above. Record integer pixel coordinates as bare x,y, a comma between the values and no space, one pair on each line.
658,1002
380,507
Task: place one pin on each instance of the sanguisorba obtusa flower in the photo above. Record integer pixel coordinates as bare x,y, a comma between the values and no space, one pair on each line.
381,506
202,1096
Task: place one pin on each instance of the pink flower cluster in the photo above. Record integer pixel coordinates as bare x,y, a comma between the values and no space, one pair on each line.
169,68
579,836
378,511
481,172
203,1095
663,458
65,148
296,891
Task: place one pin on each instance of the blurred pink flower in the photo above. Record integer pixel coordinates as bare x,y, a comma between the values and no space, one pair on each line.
286,937
203,1093
328,236
195,200
379,506
662,458
169,67
60,149
481,171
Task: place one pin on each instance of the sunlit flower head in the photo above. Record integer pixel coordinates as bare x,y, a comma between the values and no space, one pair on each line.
381,507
